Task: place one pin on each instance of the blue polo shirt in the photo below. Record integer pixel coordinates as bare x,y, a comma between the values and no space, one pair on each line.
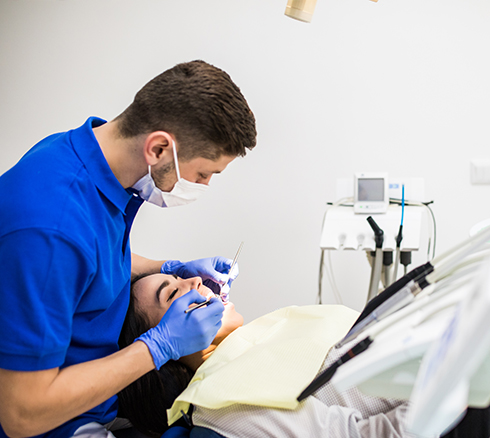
65,261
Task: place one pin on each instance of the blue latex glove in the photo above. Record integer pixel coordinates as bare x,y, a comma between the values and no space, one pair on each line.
213,271
179,334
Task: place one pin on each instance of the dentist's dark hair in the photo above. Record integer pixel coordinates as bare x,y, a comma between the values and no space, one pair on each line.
145,402
200,105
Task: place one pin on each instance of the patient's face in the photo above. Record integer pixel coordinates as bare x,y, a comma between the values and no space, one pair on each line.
155,293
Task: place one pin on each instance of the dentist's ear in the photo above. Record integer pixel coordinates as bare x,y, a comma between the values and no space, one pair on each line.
157,147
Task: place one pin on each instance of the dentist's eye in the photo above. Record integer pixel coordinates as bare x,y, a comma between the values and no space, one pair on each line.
172,295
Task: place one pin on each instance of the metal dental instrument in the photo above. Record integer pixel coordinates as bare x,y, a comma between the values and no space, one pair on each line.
378,259
204,303
402,298
224,296
399,238
326,375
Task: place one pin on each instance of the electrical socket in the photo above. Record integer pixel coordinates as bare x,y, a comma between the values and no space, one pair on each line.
480,171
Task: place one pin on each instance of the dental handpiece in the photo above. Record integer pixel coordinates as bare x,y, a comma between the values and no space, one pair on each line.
401,299
225,289
327,374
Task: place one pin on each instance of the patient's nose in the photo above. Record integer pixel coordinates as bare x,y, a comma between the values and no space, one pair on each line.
195,282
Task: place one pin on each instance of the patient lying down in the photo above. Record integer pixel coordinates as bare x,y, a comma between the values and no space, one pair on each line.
245,384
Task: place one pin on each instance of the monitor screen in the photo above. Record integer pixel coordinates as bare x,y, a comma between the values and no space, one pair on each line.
371,189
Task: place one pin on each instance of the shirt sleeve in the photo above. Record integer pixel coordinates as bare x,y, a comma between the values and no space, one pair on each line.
389,424
43,276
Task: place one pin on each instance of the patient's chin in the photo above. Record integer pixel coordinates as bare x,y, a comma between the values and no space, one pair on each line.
231,319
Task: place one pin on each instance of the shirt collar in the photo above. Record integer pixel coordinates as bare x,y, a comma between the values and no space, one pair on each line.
88,150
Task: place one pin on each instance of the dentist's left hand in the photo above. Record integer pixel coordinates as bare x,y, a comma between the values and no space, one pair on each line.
213,270
180,334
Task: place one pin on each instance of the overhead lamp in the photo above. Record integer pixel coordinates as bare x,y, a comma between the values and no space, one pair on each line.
302,10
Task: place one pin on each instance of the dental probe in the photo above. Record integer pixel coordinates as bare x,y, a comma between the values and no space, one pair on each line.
197,306
225,296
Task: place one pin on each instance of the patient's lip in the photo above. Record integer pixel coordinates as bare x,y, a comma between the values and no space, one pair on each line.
211,294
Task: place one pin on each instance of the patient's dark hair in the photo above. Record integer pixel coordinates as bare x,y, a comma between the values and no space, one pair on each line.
145,401
200,105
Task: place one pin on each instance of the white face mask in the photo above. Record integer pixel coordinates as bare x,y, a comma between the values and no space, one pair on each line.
184,192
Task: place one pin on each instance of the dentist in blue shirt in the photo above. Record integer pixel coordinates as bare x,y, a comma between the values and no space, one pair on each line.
66,210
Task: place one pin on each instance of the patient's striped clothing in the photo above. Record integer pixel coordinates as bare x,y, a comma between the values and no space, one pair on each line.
327,413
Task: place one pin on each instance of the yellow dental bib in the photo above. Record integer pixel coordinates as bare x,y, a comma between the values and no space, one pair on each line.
269,361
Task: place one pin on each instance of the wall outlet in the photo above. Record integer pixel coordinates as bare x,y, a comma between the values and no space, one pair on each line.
480,171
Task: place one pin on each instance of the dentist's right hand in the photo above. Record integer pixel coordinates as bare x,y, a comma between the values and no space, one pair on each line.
180,334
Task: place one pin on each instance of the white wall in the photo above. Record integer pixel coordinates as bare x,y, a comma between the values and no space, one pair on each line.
401,86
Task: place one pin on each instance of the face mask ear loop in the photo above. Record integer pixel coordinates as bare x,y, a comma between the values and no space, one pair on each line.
176,160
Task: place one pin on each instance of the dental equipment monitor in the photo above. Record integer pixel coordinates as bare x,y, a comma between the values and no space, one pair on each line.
371,193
